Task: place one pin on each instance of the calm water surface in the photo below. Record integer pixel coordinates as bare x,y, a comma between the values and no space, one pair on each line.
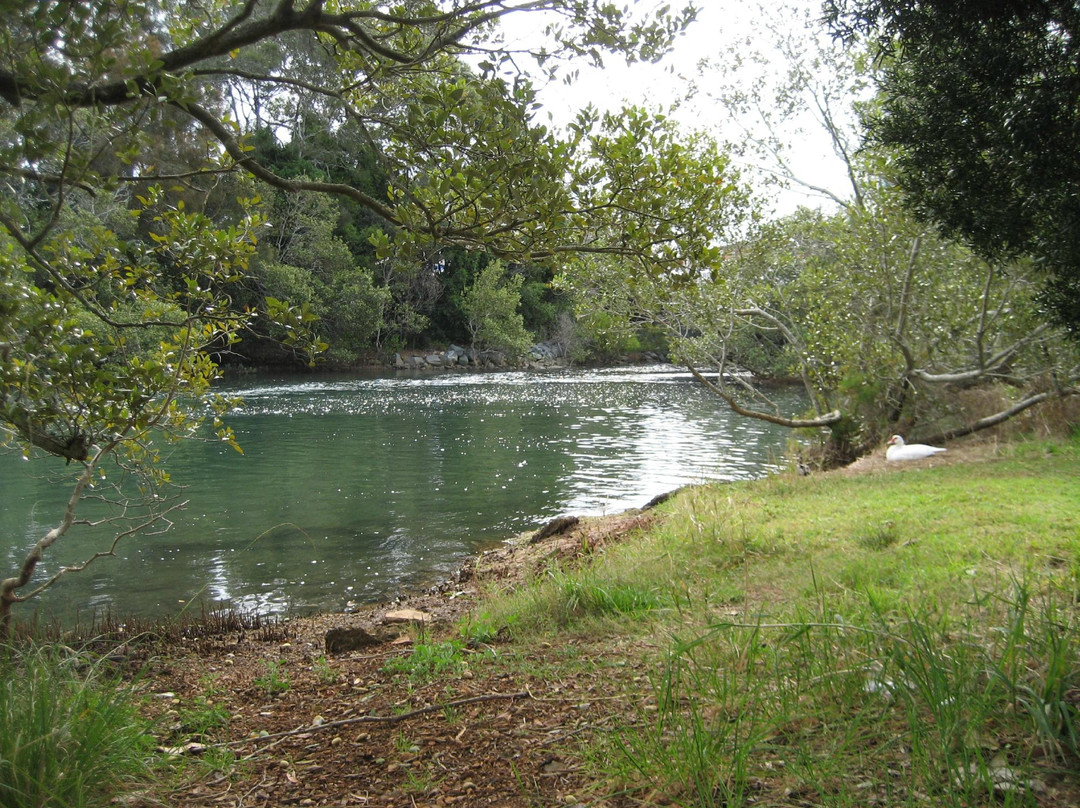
352,490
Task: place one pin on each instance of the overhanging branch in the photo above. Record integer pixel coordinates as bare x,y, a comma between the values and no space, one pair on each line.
244,159
826,420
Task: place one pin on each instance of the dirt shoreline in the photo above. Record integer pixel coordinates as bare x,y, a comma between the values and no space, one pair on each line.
339,729
304,726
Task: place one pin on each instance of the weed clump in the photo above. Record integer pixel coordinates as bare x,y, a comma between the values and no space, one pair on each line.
70,733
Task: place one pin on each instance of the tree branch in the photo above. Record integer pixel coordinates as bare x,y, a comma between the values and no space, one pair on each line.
1000,417
789,335
244,159
991,366
383,719
826,420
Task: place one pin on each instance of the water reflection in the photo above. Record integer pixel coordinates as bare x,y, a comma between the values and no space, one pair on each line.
353,489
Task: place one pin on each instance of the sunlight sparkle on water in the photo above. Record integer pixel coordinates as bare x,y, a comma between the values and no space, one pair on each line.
356,489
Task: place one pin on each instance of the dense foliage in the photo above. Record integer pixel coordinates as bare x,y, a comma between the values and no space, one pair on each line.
979,100
889,326
188,184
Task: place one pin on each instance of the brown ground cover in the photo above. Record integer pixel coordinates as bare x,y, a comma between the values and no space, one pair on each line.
341,730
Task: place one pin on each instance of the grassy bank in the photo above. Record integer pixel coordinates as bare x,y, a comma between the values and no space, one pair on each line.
905,637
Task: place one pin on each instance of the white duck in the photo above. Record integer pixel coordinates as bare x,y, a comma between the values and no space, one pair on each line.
898,450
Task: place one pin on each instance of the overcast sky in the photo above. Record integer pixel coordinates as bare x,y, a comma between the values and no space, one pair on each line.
721,25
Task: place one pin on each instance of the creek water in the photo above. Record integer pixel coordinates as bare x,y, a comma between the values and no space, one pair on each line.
354,489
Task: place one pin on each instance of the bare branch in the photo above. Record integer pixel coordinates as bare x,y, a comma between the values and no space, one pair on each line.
987,366
9,587
119,537
384,719
1000,417
792,338
826,420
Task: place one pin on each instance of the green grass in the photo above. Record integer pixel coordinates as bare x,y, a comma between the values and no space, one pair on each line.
429,661
907,637
275,680
325,672
903,707
70,735
204,719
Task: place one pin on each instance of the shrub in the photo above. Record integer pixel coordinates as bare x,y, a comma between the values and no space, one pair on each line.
70,735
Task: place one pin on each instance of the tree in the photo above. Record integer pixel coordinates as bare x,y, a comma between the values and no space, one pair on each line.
124,255
102,367
491,312
643,160
883,322
304,262
979,104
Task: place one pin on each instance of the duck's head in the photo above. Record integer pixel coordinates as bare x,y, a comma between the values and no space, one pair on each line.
896,440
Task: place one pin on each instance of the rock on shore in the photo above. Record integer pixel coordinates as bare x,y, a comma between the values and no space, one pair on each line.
549,354
543,354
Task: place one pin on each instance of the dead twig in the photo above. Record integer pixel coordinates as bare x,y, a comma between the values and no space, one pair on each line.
382,719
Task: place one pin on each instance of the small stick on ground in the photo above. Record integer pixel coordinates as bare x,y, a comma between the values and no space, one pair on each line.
382,719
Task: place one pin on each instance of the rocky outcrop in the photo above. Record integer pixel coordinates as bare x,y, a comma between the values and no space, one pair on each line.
541,355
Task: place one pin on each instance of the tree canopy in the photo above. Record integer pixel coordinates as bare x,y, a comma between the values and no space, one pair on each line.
980,101
162,167
888,325
98,92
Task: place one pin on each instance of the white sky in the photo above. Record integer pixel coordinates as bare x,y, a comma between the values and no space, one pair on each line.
720,26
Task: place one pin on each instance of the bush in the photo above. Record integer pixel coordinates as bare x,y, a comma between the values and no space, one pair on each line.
69,735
